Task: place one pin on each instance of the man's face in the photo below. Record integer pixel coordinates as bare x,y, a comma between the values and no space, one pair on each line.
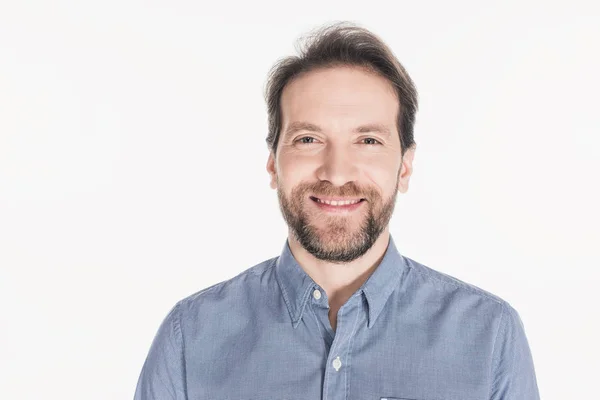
338,140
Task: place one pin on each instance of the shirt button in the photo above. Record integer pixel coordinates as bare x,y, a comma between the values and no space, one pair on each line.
337,364
317,294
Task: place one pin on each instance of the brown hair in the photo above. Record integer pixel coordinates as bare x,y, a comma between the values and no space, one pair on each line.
343,44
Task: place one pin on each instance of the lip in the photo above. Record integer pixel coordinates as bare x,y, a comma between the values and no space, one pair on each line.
337,209
337,198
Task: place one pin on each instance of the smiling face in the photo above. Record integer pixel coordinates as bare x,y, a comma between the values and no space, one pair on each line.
339,141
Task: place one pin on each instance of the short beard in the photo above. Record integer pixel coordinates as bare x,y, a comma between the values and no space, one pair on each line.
354,245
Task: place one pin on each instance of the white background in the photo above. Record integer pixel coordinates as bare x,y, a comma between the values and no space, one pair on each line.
132,170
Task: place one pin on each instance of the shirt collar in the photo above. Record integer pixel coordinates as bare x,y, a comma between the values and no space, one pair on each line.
297,286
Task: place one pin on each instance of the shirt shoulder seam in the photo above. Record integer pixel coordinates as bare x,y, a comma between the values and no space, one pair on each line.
255,270
461,285
494,363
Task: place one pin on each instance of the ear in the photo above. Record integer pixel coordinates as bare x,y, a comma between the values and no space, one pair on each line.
271,170
406,170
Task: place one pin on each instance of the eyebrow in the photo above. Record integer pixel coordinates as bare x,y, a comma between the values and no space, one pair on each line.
307,126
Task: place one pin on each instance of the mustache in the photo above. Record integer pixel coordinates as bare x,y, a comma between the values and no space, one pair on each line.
324,189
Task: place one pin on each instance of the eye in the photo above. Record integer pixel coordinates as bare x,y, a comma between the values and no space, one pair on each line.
310,140
303,141
378,142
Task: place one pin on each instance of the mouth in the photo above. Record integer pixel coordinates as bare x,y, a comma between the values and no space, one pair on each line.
339,205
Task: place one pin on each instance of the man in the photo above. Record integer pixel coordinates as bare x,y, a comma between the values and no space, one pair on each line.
340,313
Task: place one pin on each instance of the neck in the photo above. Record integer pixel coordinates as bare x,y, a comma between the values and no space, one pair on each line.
340,281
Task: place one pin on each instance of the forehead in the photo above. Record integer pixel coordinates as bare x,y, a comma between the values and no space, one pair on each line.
340,95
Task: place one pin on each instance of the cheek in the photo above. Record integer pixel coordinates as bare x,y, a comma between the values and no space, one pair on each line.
380,180
294,173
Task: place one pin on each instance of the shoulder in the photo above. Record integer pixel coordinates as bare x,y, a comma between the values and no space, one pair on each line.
435,295
452,290
230,292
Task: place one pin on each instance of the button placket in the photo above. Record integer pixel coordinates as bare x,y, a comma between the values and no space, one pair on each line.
334,382
336,379
337,363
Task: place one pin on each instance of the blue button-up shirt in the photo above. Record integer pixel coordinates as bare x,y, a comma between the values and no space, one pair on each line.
409,332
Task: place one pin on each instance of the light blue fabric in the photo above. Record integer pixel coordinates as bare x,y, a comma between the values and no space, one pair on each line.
409,332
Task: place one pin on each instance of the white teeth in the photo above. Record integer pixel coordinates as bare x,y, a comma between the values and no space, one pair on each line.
338,203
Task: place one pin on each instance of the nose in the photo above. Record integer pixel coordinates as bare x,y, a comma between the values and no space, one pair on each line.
337,167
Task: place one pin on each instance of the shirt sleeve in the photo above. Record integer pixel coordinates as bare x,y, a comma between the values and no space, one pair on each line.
513,374
163,373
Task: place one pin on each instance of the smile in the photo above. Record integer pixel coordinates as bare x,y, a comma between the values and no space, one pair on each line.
337,202
337,205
